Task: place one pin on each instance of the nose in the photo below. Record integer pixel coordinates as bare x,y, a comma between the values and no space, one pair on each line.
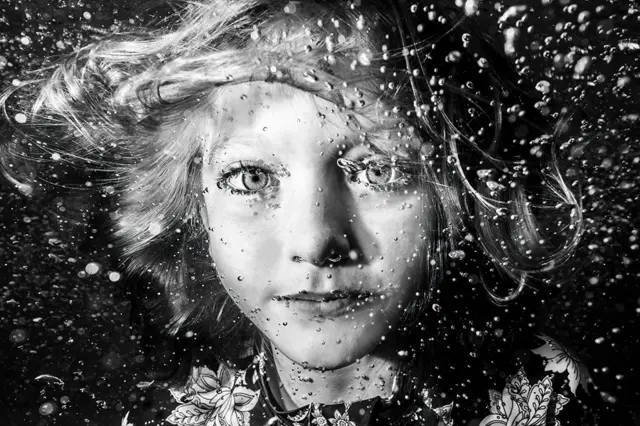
318,220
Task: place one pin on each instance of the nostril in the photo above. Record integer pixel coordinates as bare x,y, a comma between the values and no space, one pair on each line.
334,257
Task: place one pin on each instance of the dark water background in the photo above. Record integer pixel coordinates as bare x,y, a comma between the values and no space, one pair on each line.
68,352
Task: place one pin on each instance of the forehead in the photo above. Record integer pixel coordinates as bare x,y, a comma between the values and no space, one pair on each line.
255,107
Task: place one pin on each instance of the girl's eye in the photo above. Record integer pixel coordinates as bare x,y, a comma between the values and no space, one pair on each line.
254,180
245,180
381,174
378,175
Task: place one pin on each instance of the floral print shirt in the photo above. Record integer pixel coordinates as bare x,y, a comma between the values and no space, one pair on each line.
238,398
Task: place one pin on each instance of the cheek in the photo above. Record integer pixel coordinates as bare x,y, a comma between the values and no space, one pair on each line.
401,226
241,244
402,230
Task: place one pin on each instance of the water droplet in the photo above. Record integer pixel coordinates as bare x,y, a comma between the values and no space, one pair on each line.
510,37
18,335
290,7
484,173
365,57
483,63
454,56
92,268
543,86
457,254
471,7
629,45
495,186
582,65
20,118
155,228
48,408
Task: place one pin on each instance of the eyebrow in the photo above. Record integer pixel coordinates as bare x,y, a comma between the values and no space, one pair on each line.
225,142
388,135
372,138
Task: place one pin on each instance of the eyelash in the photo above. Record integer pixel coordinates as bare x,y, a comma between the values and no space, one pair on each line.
402,167
237,169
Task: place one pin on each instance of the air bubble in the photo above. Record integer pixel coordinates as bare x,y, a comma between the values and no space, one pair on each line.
92,268
48,408
582,65
471,7
543,86
155,228
484,173
454,56
365,57
290,7
495,186
19,335
457,254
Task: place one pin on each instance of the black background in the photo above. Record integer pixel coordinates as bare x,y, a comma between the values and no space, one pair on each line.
58,320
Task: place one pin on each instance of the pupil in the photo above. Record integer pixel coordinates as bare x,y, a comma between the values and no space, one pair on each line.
254,180
380,174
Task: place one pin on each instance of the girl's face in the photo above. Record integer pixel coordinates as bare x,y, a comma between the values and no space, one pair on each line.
281,209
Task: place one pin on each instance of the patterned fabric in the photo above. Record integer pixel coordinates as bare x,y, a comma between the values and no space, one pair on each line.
239,398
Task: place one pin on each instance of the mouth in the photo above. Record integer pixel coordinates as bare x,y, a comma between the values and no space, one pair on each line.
326,297
327,305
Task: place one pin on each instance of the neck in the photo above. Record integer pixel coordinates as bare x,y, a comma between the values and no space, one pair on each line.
296,386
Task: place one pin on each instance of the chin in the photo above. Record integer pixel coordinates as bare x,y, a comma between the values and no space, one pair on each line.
311,353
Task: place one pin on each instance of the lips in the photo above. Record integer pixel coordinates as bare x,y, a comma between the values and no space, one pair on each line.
326,305
326,297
